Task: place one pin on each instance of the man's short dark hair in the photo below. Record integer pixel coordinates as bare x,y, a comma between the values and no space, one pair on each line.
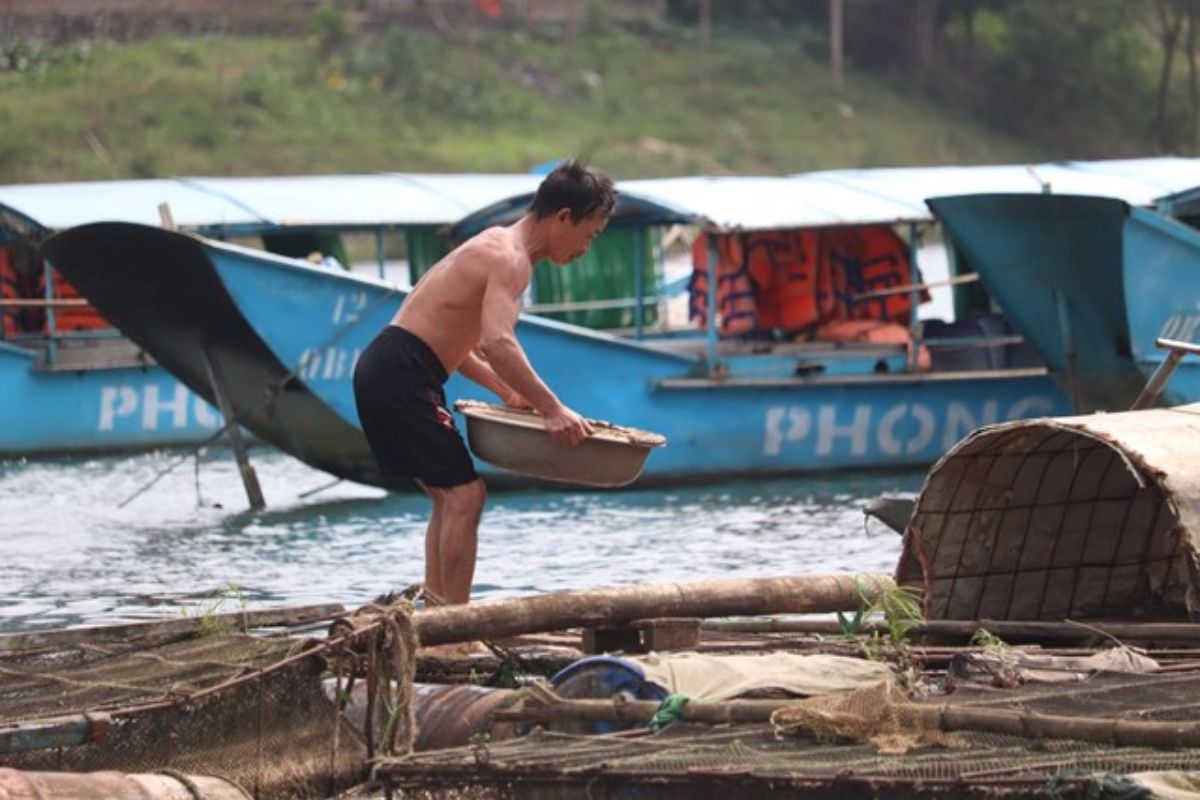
575,187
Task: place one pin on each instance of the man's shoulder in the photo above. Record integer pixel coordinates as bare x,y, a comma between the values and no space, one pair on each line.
497,245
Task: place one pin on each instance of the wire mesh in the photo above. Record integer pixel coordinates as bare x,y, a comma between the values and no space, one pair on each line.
269,728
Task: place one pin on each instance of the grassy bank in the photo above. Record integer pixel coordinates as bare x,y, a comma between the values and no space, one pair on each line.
490,100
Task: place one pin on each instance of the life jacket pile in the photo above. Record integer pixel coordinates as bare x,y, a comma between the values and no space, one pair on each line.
797,282
27,284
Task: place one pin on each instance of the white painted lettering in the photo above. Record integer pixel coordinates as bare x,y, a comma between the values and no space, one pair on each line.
799,426
176,407
828,430
890,443
116,401
335,363
206,415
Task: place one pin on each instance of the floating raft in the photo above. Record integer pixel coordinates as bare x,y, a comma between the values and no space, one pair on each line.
692,762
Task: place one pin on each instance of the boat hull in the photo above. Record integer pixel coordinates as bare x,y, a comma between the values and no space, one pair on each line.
95,410
1054,264
1162,278
291,334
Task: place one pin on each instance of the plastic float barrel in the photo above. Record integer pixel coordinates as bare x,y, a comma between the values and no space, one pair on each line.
18,785
602,678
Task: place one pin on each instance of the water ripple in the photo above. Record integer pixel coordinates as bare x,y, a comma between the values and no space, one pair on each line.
75,556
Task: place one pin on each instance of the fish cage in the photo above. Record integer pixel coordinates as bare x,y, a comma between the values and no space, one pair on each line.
1092,516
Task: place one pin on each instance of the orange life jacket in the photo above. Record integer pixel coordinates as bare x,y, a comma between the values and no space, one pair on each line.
737,313
863,260
784,267
74,318
16,285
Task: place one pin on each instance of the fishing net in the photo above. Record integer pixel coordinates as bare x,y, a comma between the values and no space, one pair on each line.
880,714
250,709
688,761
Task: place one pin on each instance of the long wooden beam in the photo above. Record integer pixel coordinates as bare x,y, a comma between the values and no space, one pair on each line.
604,607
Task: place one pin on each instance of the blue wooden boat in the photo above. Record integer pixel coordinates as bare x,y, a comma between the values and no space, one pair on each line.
70,388
1090,281
287,335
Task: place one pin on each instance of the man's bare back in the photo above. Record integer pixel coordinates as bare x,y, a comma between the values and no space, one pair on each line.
445,309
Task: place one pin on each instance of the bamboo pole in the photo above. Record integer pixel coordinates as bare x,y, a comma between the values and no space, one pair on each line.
1004,629
640,711
946,717
606,607
37,302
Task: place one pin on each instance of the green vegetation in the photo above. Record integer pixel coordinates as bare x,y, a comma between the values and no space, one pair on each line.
897,608
485,99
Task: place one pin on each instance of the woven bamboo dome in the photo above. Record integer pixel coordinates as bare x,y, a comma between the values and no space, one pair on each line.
1093,516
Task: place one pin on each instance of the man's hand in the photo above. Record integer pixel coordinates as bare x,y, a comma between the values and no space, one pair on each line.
567,427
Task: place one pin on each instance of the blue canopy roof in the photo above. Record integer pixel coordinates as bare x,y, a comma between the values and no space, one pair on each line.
861,196
250,205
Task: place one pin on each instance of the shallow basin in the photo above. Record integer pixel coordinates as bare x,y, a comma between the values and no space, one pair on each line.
517,441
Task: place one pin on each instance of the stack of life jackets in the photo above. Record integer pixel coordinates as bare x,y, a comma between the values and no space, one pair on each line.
22,277
797,282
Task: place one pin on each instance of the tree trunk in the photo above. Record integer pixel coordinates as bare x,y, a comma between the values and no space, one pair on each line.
1193,90
925,48
706,47
836,45
1169,35
605,607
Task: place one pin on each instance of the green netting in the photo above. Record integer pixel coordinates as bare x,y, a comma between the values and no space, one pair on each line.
425,248
606,272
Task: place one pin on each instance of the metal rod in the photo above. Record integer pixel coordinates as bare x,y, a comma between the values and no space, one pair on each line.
51,322
249,477
591,305
380,252
970,277
639,289
1068,345
1158,381
712,333
914,324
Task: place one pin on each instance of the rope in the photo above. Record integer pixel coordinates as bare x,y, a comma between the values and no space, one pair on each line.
400,645
668,711
162,472
125,687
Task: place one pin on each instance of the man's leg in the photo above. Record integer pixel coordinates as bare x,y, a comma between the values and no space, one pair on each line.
433,532
457,537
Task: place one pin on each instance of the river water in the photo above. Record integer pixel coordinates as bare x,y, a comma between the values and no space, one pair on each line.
82,546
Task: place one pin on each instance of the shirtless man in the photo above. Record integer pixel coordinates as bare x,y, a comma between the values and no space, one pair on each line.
461,316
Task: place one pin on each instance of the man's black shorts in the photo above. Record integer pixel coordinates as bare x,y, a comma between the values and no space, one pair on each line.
398,390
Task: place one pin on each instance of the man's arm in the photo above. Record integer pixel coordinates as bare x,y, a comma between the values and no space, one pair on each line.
500,348
479,371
